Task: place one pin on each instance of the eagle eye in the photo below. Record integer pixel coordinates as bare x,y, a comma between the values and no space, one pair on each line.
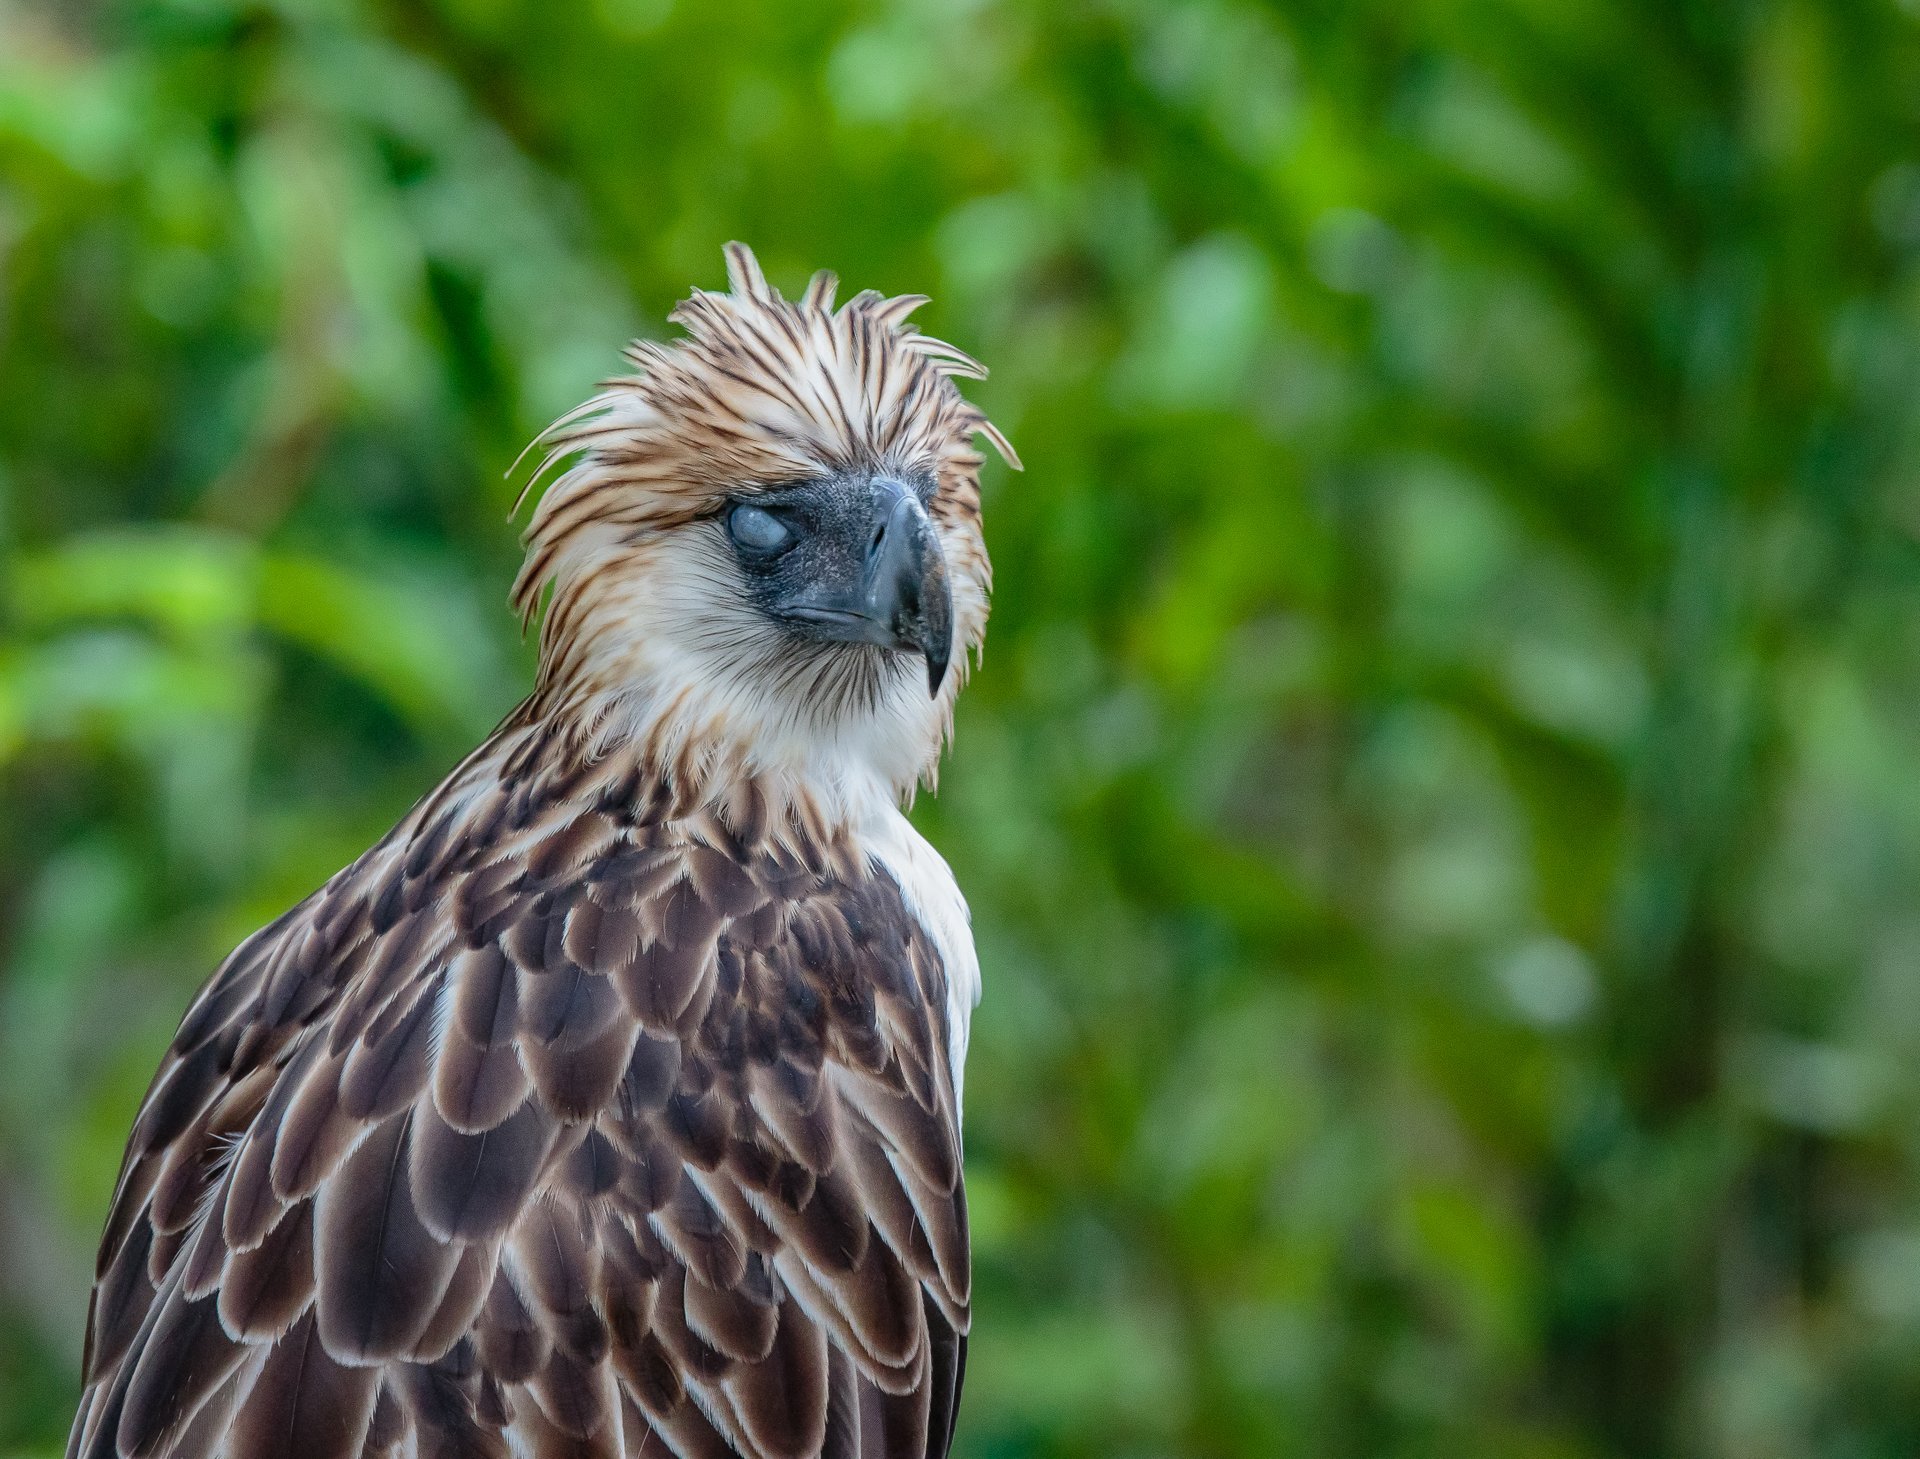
757,529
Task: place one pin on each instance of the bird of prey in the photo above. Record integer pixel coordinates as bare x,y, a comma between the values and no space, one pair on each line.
610,1105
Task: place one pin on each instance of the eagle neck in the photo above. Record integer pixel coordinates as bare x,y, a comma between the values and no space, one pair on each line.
623,740
836,777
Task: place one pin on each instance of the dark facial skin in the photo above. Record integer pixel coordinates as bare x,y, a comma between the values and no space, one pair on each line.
851,559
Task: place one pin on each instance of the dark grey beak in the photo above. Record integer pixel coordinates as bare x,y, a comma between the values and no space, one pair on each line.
897,595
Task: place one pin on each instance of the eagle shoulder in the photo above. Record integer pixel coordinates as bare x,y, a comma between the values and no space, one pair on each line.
566,1116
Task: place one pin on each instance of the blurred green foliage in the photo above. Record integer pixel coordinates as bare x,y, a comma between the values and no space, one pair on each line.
1440,807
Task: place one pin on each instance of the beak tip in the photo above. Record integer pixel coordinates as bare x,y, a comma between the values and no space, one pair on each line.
936,675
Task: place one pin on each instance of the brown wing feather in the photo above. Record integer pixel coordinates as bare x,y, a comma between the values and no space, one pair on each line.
557,1118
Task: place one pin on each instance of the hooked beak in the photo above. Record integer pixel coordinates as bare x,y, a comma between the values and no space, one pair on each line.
897,596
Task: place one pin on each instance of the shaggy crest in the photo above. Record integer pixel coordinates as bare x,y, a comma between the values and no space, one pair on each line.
761,391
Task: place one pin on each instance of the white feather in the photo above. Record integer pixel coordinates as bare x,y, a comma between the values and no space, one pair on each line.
934,898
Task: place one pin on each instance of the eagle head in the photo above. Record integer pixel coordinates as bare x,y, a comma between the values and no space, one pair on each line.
765,552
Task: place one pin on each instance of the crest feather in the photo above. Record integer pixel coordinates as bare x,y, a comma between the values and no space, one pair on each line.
894,311
744,276
820,291
760,390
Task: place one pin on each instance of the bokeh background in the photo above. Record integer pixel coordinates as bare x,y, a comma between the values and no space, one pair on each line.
1442,803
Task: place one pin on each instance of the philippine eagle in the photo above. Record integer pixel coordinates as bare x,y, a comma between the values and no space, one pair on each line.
610,1105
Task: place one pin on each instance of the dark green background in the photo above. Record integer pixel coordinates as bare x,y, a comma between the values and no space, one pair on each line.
1442,803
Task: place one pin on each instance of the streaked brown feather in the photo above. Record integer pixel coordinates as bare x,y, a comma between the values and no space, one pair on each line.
697,1122
575,1397
486,996
298,977
460,1304
569,1007
387,1425
652,1073
689,1434
577,1083
830,1230
693,1231
560,1262
781,1399
251,1207
730,1321
602,934
391,970
183,1181
650,1374
592,1168
129,1210
164,1253
304,1405
650,1176
385,1071
206,1257
947,1372
697,1361
183,1360
661,984
930,1145
444,1414
881,1302
264,1288
841,1440
315,1134
120,1304
381,1272
475,1185
210,1429
895,1422
512,1346
475,1086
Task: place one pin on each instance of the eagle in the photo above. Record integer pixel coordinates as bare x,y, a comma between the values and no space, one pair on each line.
609,1106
